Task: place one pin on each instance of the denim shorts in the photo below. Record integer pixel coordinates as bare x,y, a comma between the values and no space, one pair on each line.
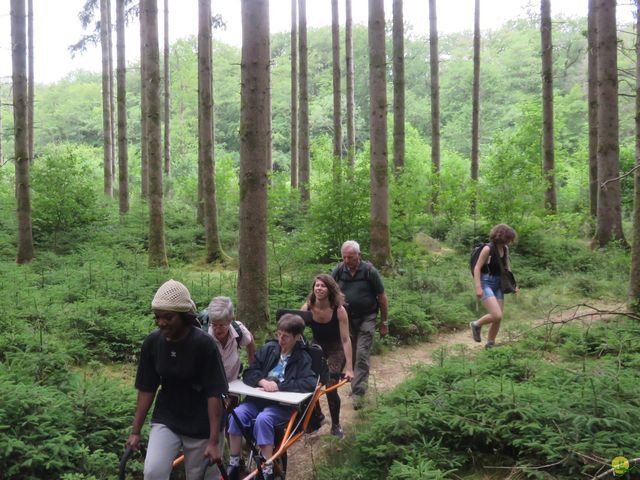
491,286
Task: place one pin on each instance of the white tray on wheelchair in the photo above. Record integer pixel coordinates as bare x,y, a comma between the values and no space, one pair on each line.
238,387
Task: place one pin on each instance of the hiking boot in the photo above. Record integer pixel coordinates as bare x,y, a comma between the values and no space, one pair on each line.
336,431
233,472
358,401
489,345
475,331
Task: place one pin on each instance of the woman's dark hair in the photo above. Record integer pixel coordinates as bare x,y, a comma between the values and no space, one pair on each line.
291,323
336,297
503,234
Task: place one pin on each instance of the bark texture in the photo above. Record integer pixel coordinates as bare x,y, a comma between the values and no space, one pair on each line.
592,42
304,167
19,83
254,124
475,106
337,126
167,93
30,79
121,75
294,94
435,99
107,126
351,119
398,86
149,17
548,164
634,274
609,216
380,241
144,144
205,131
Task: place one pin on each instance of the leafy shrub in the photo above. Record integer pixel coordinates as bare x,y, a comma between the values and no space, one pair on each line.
65,200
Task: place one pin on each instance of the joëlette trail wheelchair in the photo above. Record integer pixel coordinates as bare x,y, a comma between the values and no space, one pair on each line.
305,416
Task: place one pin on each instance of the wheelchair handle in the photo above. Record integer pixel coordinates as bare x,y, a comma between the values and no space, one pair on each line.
123,462
125,458
221,467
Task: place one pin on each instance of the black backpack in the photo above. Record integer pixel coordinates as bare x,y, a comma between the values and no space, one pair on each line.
203,318
475,254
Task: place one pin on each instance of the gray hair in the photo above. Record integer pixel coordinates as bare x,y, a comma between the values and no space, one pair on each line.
352,245
220,309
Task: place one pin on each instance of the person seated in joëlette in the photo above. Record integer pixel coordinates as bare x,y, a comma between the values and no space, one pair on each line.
279,366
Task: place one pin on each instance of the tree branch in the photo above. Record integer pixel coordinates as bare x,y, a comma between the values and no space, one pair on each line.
576,315
603,186
611,471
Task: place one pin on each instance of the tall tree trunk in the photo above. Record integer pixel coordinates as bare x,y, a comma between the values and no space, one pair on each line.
351,122
548,165
112,95
294,94
337,127
149,16
19,80
398,87
123,149
106,101
144,129
304,170
30,80
634,275
475,106
205,131
592,41
254,124
380,241
609,217
435,100
167,94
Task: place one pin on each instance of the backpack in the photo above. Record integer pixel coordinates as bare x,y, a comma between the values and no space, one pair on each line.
475,254
203,318
337,274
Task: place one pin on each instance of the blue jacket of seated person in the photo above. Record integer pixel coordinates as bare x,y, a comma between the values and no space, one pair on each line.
298,374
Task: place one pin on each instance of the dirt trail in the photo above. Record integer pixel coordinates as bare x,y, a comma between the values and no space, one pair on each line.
387,371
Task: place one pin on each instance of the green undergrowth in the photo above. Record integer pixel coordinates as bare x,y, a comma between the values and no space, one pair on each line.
73,321
549,406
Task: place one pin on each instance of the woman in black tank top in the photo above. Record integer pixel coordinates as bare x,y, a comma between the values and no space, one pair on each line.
486,276
330,328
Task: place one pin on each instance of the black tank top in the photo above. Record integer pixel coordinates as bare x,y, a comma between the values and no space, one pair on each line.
327,332
492,267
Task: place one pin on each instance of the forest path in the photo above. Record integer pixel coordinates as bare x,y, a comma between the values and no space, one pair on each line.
394,367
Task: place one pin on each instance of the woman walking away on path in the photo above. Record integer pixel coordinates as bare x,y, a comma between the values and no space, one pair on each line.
486,276
330,328
184,362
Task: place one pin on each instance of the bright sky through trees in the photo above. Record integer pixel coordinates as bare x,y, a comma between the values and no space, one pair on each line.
57,25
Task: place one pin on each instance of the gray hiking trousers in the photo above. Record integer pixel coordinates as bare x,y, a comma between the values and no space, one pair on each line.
362,331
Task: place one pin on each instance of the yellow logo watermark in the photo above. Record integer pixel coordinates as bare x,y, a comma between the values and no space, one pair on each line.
620,465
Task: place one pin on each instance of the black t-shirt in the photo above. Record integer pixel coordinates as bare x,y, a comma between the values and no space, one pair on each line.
188,372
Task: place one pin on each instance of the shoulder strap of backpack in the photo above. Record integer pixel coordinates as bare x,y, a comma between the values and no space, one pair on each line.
236,327
203,319
338,272
367,269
